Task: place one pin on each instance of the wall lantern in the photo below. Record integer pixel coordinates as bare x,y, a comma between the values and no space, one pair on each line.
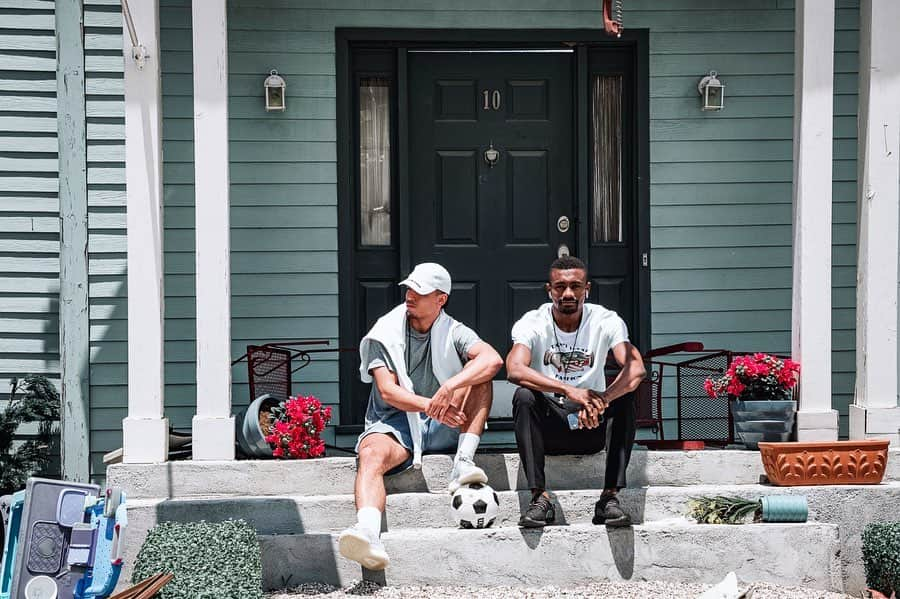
274,91
712,91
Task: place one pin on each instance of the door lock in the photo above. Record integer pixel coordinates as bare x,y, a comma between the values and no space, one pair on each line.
562,225
562,250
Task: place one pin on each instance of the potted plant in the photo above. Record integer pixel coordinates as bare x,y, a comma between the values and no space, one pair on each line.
760,387
283,429
722,509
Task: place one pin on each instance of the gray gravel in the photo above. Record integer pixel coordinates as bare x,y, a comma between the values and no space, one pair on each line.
607,590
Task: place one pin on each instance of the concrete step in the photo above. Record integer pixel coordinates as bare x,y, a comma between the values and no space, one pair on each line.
335,476
567,555
849,507
333,513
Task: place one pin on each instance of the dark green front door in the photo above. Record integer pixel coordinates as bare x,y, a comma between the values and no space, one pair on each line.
491,177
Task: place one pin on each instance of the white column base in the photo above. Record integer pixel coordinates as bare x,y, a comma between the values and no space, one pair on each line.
817,426
884,423
145,440
213,438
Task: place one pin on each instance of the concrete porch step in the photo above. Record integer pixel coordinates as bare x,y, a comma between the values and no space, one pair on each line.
569,555
333,513
330,476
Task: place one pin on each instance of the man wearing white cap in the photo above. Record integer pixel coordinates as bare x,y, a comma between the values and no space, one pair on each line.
431,392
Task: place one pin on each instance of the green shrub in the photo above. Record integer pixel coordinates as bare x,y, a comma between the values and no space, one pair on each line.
209,560
881,554
33,399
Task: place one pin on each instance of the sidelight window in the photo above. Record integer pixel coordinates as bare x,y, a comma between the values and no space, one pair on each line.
606,156
375,161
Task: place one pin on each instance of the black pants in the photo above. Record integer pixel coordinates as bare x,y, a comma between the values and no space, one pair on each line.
541,431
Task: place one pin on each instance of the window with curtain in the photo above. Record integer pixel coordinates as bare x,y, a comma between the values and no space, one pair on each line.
606,133
375,161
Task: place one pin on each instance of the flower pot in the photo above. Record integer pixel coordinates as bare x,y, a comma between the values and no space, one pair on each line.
858,462
248,433
763,420
784,508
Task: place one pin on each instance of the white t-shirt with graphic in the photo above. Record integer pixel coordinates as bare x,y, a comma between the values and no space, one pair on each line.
577,358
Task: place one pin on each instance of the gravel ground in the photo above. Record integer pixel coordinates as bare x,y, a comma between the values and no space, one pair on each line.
607,590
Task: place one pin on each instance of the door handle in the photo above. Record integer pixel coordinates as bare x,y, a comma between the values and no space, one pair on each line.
562,224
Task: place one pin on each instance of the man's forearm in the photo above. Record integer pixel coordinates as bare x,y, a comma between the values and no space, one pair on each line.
530,378
476,371
402,399
628,379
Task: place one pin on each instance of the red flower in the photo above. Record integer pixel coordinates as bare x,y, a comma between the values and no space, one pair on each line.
299,422
756,376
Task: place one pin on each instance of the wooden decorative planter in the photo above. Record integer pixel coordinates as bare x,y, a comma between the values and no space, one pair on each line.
825,462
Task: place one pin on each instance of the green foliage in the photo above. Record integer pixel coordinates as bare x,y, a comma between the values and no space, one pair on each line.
218,560
881,555
723,510
34,399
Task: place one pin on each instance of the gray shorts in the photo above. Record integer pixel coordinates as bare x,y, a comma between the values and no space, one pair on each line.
435,436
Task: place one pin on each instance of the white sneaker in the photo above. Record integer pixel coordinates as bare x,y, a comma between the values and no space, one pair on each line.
358,544
465,472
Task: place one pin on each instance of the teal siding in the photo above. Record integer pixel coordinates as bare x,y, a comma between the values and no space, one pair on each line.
105,109
29,208
720,193
721,189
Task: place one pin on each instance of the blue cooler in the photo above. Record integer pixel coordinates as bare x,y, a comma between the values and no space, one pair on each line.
63,534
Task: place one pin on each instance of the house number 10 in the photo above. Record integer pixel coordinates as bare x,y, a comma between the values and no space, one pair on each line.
491,99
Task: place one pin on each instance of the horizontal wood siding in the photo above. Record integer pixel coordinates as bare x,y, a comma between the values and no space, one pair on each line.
721,189
720,195
106,226
29,206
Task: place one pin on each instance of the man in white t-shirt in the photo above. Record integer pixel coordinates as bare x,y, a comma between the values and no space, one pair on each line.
563,405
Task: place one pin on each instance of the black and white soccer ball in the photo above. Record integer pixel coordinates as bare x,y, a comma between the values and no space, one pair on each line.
475,506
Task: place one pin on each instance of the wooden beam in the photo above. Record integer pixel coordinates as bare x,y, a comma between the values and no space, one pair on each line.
74,321
213,425
146,434
811,305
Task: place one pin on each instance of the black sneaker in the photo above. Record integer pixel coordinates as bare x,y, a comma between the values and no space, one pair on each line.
608,511
540,513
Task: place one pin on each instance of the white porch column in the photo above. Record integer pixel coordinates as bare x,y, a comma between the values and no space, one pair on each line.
811,313
145,430
875,412
213,426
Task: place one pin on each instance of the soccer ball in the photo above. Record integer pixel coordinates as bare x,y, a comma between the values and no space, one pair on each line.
475,506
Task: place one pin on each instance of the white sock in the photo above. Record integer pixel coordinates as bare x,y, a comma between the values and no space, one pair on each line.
369,518
468,443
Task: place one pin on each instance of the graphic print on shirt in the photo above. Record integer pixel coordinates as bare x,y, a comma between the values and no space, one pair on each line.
569,363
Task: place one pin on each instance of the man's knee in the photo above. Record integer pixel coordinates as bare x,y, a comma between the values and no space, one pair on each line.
375,458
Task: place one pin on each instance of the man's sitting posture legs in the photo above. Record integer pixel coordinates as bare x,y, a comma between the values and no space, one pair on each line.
432,391
558,358
381,453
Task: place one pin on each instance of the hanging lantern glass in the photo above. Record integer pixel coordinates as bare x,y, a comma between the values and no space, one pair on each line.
274,91
712,92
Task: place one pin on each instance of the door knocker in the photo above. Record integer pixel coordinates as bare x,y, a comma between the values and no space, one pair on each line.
491,155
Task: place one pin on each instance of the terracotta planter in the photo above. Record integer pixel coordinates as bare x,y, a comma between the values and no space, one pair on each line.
825,462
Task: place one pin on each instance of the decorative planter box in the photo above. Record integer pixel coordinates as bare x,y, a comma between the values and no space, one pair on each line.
859,462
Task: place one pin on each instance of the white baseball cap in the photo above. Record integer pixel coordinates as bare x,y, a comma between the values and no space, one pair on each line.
428,277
